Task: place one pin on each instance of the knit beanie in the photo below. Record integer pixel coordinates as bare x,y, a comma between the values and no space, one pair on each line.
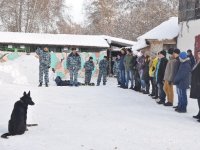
183,55
177,51
163,52
170,51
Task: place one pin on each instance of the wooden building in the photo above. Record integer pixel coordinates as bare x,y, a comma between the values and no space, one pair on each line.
164,36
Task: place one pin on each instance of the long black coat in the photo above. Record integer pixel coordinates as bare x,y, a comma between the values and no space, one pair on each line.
195,85
161,70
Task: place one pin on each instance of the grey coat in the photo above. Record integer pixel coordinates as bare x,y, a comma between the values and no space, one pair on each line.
171,70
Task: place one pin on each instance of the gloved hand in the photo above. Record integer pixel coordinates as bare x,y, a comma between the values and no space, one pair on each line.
153,68
170,82
49,66
53,70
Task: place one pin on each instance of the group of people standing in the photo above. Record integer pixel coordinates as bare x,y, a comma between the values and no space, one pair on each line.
162,72
73,63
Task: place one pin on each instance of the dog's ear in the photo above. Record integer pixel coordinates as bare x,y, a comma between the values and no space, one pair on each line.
29,93
24,93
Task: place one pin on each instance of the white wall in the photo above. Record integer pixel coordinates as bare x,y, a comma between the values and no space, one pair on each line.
186,39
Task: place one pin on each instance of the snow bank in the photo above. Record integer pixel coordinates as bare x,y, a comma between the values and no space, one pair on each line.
23,70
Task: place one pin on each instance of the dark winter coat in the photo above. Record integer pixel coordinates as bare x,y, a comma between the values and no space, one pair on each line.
128,62
192,60
171,69
121,64
103,65
195,85
44,57
145,75
74,62
116,66
161,70
140,63
135,62
89,65
181,79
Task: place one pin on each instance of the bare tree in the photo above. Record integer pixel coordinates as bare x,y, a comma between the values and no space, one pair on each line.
129,18
32,15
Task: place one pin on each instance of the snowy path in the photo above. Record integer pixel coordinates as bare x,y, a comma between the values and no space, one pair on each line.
97,118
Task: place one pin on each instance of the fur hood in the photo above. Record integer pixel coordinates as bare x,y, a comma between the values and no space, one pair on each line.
184,60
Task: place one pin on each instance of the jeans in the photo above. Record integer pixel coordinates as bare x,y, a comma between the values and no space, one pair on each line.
152,85
161,92
129,76
143,84
123,79
182,98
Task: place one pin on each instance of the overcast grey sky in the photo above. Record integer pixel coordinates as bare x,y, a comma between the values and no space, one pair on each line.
76,9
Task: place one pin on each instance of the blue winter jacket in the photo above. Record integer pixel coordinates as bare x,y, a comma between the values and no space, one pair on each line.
181,79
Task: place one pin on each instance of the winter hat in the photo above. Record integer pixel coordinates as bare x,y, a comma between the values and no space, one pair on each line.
163,52
73,48
90,57
129,50
170,51
177,51
183,55
189,51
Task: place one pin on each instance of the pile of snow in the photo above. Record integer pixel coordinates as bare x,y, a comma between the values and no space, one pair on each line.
23,70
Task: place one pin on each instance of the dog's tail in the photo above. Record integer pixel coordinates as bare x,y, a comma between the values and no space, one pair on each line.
5,136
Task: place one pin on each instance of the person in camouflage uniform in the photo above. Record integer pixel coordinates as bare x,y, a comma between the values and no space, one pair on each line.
74,65
45,61
116,69
89,67
103,66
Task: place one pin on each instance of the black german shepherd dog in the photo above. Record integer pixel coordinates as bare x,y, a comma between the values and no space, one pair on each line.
17,123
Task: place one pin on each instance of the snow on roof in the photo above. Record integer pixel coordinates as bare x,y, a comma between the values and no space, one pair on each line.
139,45
53,39
118,40
165,31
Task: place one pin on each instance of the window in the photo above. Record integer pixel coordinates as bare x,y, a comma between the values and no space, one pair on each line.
197,9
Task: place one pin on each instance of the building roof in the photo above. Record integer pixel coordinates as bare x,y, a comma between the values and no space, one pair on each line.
118,41
53,39
167,30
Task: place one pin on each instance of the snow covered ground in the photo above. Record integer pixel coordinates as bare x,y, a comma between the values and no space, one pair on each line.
91,118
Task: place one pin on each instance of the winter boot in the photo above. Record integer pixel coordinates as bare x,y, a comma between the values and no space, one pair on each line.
197,116
46,84
168,104
104,83
40,84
